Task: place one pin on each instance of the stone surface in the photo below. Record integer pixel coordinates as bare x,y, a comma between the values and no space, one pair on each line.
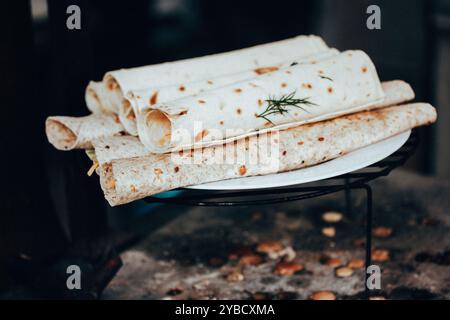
192,255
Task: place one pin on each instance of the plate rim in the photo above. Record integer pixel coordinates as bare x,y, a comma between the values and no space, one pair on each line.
403,136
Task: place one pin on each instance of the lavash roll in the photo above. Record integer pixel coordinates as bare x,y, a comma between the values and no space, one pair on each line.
119,82
126,180
111,148
67,133
136,100
339,85
395,92
95,97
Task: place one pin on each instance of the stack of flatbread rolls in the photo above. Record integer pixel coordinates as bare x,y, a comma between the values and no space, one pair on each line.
266,109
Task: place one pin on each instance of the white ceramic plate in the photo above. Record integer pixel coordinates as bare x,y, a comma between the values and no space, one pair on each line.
352,161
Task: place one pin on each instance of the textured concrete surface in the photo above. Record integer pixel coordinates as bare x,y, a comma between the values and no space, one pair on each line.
211,253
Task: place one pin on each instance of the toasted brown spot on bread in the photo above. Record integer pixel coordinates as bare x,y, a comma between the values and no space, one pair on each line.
238,110
321,139
112,85
201,135
260,102
210,82
176,169
330,90
238,90
364,69
111,183
131,115
182,113
201,101
154,98
96,97
181,88
265,70
284,85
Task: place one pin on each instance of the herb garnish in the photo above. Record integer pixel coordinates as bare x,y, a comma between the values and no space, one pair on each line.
324,77
293,64
280,105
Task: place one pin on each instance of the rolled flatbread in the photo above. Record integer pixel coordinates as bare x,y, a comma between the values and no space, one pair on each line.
119,82
95,96
125,180
112,148
281,99
67,133
120,147
137,100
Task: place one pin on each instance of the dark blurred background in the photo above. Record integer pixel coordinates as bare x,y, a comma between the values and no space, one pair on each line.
47,201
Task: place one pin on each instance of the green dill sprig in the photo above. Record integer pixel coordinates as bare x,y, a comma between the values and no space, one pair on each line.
293,64
324,77
280,105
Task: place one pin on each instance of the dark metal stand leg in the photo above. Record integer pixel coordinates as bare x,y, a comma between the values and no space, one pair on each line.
348,197
368,234
369,211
